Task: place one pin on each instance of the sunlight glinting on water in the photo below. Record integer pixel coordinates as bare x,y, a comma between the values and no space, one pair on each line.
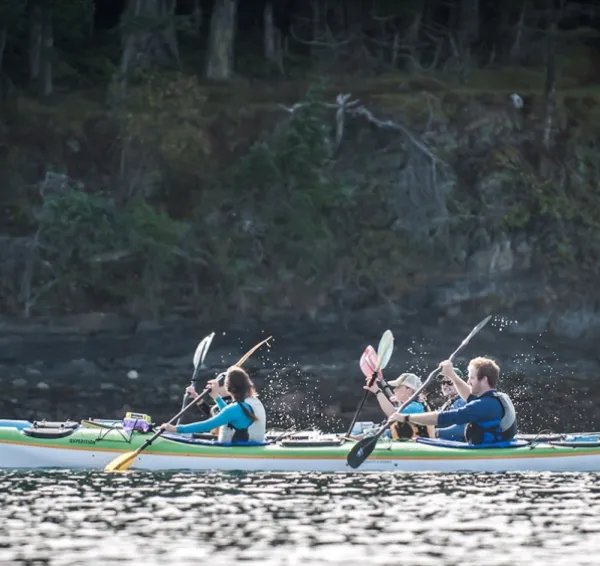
64,519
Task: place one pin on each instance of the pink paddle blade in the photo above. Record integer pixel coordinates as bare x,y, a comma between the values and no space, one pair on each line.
368,362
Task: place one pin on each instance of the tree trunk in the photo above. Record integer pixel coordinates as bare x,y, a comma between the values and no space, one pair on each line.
197,17
35,44
2,46
550,87
469,23
47,55
272,38
353,16
412,38
515,51
223,25
149,37
319,25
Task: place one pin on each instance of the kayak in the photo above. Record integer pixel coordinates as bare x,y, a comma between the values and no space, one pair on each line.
93,444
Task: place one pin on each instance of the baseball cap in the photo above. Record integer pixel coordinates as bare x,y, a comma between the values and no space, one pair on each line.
407,379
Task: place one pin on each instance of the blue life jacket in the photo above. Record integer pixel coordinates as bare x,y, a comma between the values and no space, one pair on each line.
499,430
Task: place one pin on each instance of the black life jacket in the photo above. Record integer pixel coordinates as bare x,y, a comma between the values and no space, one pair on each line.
406,431
241,434
500,430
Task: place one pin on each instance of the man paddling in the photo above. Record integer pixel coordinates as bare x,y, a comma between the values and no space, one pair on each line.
489,415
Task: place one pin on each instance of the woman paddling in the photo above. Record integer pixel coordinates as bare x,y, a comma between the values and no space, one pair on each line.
242,420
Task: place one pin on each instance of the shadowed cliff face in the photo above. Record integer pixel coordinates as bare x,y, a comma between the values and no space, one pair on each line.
406,193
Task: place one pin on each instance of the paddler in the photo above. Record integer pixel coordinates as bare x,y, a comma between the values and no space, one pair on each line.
453,401
243,420
488,414
404,388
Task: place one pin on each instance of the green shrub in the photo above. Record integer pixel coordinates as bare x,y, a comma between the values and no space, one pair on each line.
94,245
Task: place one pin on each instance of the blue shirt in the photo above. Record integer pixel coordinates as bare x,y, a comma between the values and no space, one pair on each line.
458,403
414,408
477,409
231,414
453,432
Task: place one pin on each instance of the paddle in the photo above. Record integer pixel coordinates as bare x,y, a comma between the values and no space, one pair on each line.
198,361
368,361
362,449
384,353
124,461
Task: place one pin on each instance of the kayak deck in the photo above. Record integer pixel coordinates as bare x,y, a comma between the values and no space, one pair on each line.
95,447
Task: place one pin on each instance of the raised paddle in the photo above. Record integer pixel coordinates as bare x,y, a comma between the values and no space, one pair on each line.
124,461
198,362
384,353
368,361
362,449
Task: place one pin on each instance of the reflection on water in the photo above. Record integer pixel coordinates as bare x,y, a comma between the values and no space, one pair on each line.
66,518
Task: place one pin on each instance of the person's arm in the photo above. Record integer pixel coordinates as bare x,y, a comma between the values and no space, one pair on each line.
424,419
462,387
384,403
220,402
476,410
225,416
454,432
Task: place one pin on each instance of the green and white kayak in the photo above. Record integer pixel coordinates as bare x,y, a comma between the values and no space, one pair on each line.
80,446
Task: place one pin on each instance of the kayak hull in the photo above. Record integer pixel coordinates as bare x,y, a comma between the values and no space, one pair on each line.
94,448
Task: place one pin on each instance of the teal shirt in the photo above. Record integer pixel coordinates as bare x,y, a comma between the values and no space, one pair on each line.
414,408
411,409
228,415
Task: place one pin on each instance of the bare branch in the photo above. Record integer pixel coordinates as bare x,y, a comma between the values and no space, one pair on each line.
327,39
345,105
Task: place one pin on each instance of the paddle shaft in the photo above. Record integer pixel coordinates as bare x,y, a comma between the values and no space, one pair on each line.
176,417
360,405
384,353
199,357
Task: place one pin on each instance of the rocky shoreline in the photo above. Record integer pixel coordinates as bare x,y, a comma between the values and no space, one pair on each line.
102,365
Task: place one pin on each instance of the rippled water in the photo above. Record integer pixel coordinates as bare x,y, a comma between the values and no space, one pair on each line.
420,519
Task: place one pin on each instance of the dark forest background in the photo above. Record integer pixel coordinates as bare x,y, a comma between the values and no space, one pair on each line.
314,156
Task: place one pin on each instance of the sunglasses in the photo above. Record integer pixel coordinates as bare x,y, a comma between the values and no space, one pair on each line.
447,382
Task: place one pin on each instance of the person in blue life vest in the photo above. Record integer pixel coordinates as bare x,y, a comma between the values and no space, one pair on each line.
488,414
404,388
244,419
453,401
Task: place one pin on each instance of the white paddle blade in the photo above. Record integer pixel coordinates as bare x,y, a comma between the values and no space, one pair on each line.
385,349
205,351
202,349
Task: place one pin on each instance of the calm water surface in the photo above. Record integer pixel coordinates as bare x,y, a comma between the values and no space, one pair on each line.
66,518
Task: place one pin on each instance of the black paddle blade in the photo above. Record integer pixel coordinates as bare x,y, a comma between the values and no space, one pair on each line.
361,451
